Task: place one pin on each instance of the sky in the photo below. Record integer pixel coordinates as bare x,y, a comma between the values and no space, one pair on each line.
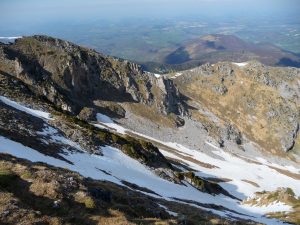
20,12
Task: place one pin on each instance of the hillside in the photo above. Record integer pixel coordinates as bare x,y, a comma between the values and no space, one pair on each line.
219,48
81,131
261,101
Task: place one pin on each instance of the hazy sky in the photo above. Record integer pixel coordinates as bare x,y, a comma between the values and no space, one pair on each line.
53,17
16,12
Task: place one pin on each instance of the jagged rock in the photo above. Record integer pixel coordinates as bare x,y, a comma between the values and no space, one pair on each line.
288,141
233,134
179,121
261,101
74,77
221,89
87,114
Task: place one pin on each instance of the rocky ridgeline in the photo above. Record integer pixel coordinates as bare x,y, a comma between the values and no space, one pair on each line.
252,100
74,77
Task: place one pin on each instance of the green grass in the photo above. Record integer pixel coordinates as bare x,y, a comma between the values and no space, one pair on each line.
27,175
89,203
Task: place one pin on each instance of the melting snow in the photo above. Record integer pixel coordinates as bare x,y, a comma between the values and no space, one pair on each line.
11,38
107,121
234,168
51,134
18,106
274,207
115,166
7,40
168,211
153,74
241,64
231,167
176,75
237,170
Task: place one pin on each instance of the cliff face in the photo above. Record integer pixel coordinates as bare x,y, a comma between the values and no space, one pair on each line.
73,77
261,102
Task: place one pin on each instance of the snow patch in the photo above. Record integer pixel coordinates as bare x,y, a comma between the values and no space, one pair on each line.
176,75
51,134
8,40
33,112
270,208
230,166
241,64
108,122
115,166
153,74
157,75
168,211
11,38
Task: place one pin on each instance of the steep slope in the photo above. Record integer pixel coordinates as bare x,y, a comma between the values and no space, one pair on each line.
74,77
260,101
66,142
137,131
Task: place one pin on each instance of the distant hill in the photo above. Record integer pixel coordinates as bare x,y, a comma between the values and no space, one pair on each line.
217,48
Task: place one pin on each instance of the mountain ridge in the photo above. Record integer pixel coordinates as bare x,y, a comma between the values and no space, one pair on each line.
219,47
173,137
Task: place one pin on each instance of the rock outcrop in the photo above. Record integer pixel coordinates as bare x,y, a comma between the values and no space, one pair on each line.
251,99
74,77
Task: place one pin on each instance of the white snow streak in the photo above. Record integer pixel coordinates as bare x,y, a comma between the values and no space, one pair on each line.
18,106
241,64
11,38
107,121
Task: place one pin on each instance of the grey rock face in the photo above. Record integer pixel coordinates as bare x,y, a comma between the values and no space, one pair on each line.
288,141
73,77
222,89
231,133
87,114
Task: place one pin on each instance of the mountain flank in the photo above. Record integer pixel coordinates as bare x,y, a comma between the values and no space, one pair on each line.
89,133
218,48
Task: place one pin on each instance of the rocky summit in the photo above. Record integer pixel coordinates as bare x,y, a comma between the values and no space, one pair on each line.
74,77
94,139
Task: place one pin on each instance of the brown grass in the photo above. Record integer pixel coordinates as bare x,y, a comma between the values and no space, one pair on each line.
234,108
286,173
251,182
176,152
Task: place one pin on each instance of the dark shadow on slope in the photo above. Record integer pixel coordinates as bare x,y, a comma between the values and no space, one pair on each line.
177,57
209,206
68,209
22,128
288,62
90,86
138,188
